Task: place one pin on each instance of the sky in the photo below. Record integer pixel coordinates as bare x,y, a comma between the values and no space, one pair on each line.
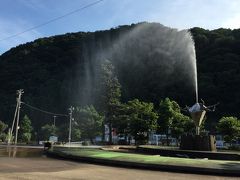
17,16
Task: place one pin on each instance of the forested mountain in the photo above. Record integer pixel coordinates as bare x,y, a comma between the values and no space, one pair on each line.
62,70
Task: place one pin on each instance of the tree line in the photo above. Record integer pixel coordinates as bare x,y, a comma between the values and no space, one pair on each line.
134,118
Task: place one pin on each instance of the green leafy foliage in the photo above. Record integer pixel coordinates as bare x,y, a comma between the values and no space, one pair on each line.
122,119
141,119
76,133
62,132
25,131
166,114
3,128
230,128
172,121
89,122
47,131
181,124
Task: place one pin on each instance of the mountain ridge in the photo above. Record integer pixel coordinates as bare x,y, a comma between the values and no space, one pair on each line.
53,69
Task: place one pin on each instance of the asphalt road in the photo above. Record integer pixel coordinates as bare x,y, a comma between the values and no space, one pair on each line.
46,168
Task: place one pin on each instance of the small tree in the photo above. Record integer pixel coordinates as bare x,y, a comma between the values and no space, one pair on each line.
47,131
229,127
141,119
172,121
3,128
167,111
122,120
63,132
89,122
25,131
76,133
181,124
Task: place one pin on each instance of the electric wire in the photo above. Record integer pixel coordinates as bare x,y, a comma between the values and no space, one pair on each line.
52,20
47,112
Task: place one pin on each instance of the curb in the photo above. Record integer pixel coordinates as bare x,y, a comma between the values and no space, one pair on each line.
171,168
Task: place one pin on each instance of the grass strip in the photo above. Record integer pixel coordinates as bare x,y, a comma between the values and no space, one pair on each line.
149,159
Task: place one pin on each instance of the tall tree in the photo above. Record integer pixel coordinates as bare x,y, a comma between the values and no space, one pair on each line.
89,121
110,94
25,131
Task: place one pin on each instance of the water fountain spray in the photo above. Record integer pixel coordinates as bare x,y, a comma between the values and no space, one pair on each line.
198,110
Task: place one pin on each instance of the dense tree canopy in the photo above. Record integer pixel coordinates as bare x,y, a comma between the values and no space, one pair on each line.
142,120
229,127
172,121
89,122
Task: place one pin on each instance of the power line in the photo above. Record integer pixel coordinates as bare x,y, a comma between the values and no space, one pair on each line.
52,20
47,112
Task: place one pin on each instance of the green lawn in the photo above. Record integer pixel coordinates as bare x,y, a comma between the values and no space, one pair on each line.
150,159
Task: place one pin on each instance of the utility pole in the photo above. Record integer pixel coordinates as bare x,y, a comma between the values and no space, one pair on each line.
19,92
70,124
54,120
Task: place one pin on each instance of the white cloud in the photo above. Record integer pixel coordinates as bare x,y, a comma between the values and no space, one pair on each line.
9,28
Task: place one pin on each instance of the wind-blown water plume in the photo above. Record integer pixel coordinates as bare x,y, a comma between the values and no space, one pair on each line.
148,58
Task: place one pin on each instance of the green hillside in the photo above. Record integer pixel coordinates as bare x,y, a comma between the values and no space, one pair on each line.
60,71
